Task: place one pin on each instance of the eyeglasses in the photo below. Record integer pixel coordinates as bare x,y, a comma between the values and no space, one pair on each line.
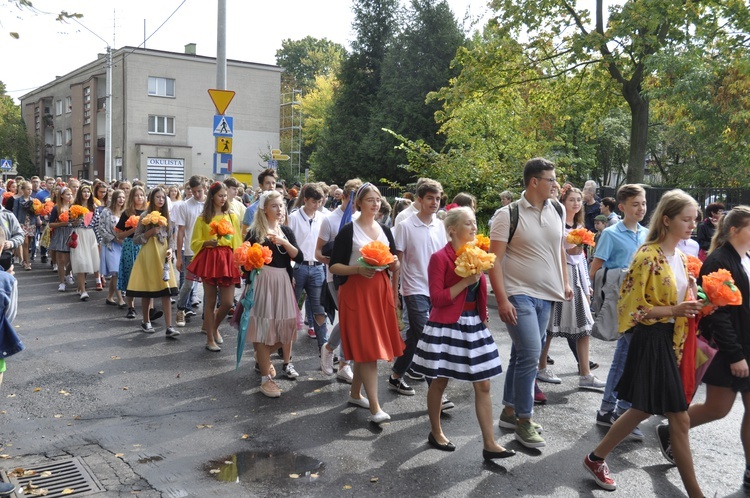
551,180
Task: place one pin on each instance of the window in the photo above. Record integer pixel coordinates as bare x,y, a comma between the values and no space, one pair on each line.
161,125
58,138
58,107
160,87
68,167
68,104
58,168
68,136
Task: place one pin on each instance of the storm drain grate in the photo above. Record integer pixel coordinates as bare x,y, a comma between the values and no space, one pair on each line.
64,475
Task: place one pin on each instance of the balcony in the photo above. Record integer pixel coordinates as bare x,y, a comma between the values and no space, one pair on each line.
101,143
101,104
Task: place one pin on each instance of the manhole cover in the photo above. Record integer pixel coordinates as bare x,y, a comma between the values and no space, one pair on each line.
58,476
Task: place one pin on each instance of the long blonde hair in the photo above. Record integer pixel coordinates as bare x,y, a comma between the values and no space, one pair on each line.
738,217
670,205
259,228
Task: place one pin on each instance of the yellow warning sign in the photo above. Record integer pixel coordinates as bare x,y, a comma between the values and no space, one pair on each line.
223,145
221,99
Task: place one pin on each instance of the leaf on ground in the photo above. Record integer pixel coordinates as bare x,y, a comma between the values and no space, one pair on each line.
63,392
46,473
67,491
101,372
77,417
228,462
37,389
3,412
346,486
125,388
214,471
119,455
316,391
294,476
245,436
11,396
293,413
203,426
178,375
374,479
314,476
5,456
115,357
59,415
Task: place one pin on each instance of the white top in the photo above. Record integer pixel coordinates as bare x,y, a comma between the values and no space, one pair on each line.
418,242
306,231
185,215
689,247
533,264
680,278
236,207
360,239
746,265
410,210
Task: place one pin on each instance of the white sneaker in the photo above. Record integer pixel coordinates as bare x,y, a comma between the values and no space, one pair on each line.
69,280
379,417
326,360
590,382
61,288
84,296
345,373
54,267
290,372
546,375
362,402
180,319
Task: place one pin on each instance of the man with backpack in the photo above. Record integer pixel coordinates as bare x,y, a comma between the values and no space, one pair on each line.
527,237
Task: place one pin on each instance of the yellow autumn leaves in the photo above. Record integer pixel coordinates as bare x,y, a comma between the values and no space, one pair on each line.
472,258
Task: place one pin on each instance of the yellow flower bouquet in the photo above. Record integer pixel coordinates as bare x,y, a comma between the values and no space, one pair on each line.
472,259
155,218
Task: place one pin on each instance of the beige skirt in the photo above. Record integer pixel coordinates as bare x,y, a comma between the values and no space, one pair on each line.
273,317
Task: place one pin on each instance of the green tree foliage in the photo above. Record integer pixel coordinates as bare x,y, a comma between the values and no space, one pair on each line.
26,5
14,142
560,38
304,60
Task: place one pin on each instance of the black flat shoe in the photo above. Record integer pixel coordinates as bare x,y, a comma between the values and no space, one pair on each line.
154,314
111,303
491,455
442,447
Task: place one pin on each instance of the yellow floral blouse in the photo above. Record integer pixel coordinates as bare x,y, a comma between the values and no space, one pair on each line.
650,282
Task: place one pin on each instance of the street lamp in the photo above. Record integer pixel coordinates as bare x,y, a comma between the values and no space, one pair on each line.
108,108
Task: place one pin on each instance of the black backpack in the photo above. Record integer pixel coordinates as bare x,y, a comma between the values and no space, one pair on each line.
513,206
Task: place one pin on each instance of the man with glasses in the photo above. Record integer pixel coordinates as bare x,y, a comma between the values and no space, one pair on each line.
527,277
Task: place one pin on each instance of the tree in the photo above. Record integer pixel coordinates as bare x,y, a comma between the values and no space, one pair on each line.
304,60
560,40
14,141
22,5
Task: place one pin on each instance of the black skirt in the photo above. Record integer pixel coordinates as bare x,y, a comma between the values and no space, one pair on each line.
719,374
651,379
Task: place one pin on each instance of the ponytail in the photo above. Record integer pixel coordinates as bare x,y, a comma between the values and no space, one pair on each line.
737,217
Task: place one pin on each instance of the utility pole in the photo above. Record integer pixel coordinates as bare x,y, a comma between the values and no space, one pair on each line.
221,46
108,125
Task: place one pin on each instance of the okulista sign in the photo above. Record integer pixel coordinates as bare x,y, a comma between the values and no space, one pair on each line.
159,161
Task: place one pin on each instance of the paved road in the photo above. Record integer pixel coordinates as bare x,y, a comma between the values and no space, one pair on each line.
153,417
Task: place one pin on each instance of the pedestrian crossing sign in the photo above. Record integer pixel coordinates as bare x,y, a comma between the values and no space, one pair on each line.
6,164
223,126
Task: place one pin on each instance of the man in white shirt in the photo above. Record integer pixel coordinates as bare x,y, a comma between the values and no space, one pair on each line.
310,274
417,237
184,217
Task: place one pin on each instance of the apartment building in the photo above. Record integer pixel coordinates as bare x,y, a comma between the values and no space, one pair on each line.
162,117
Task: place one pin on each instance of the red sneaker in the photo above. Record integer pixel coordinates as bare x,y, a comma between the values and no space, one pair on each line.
539,397
600,471
311,334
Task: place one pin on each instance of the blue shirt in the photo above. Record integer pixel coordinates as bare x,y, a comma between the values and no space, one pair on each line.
41,194
250,214
617,245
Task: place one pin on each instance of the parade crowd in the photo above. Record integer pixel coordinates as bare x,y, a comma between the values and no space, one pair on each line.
423,305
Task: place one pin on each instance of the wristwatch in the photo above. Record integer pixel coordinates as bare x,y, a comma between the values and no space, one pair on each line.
70,223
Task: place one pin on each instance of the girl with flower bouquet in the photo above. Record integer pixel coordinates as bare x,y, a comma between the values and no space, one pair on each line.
274,315
456,343
129,219
367,310
572,319
23,209
84,255
655,303
154,235
728,329
111,246
216,234
61,227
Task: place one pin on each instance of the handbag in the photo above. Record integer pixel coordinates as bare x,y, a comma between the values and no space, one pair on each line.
607,283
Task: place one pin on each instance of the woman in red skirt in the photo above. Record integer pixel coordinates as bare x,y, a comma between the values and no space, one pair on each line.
213,263
369,327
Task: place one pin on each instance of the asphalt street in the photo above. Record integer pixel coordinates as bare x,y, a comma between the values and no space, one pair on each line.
150,416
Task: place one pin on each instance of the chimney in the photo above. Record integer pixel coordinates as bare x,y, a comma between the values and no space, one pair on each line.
190,48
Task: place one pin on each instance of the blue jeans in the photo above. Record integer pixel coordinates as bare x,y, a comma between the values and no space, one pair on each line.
187,286
609,400
311,279
418,311
528,335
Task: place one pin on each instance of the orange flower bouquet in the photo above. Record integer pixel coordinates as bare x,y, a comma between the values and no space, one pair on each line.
718,289
694,266
580,236
252,256
376,255
64,217
155,218
77,211
472,259
482,242
222,228
132,222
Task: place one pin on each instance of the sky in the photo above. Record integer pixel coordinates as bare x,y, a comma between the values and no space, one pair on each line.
47,48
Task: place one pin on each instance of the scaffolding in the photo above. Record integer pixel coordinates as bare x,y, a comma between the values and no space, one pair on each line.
291,134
